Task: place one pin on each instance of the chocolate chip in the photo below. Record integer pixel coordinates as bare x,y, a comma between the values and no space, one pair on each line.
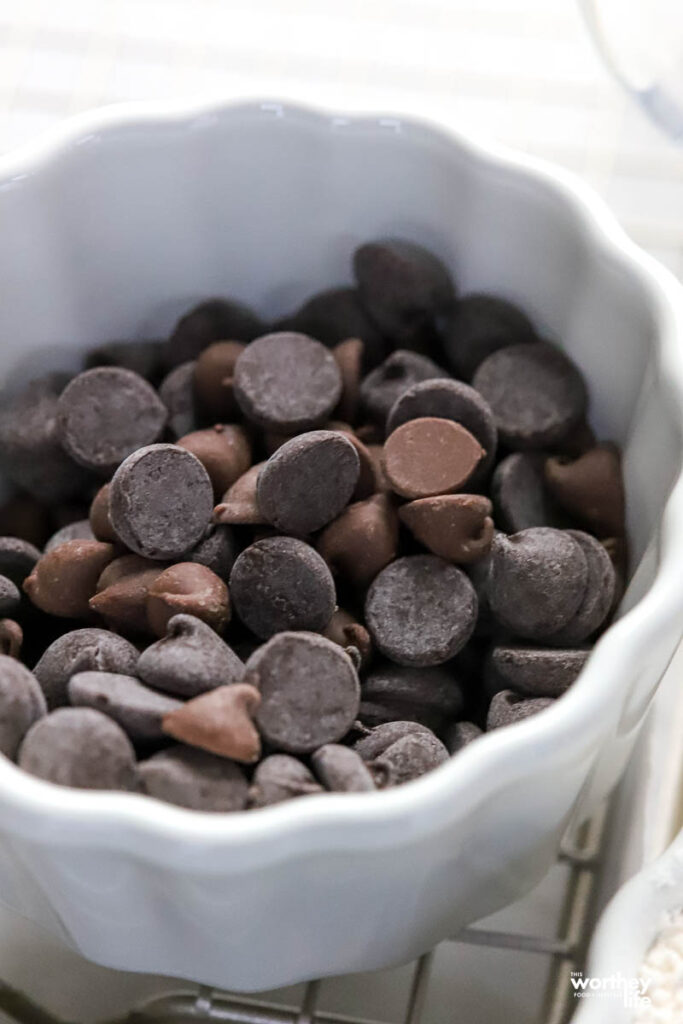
348,355
508,707
536,394
421,610
590,488
224,452
449,400
31,454
537,581
430,696
100,523
361,541
535,671
599,594
17,558
176,391
11,638
309,691
161,501
191,659
213,380
105,414
122,590
143,357
287,382
457,527
220,721
212,320
430,456
282,583
342,770
408,758
281,777
402,286
10,597
381,388
187,589
520,498
308,481
135,707
21,704
80,530
460,735
480,325
344,630
192,778
239,506
381,737
82,650
217,551
63,580
336,314
79,747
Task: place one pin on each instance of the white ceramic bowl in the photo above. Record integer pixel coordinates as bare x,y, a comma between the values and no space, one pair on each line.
110,228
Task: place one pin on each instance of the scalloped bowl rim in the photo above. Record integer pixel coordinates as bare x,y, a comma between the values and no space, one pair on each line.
44,804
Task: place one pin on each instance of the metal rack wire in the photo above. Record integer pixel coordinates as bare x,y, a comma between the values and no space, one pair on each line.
566,951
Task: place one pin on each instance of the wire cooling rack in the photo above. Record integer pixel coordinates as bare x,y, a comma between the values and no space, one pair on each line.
565,951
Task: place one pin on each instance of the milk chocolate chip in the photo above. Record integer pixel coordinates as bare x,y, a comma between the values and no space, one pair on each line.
122,591
457,527
224,452
220,721
213,380
239,506
590,488
361,541
64,580
190,589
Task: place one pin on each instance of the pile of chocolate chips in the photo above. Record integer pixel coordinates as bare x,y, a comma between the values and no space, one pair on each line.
252,562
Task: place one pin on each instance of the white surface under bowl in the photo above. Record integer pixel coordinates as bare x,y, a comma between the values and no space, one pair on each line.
120,221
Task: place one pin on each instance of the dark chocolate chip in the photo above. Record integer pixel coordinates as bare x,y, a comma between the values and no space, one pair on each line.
177,393
191,659
144,357
21,704
212,320
537,581
282,583
308,481
31,454
408,758
598,597
380,390
401,285
12,638
342,770
287,382
429,696
82,748
449,400
430,456
381,737
192,778
63,580
82,650
535,671
459,735
107,413
508,707
132,705
361,541
336,314
536,393
309,691
457,527
213,380
590,488
217,551
80,530
10,597
421,610
281,777
25,518
480,325
224,452
161,501
520,498
220,721
17,558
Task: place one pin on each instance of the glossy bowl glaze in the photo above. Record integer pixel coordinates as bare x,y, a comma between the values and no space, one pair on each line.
119,221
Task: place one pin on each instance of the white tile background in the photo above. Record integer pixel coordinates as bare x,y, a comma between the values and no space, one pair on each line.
522,71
